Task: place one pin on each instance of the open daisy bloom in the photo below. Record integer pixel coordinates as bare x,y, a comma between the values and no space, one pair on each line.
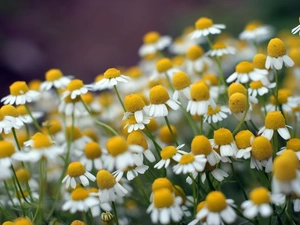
274,121
224,140
165,67
168,154
196,61
92,156
74,89
238,106
256,31
134,105
153,42
112,77
217,114
181,82
219,49
55,78
277,55
293,144
20,94
243,140
216,209
205,26
189,163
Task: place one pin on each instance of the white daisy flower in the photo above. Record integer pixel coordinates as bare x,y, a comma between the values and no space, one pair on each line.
294,144
11,115
258,88
216,209
24,113
277,55
159,99
257,32
217,173
216,115
181,82
219,49
204,27
243,140
153,42
274,121
133,125
164,67
5,124
165,207
111,78
20,94
77,172
296,29
134,105
189,163
55,78
7,151
169,153
131,172
285,99
92,157
74,89
223,139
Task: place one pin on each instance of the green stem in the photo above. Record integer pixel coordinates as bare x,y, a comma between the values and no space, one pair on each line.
16,138
276,90
18,183
141,187
209,182
40,208
6,215
201,125
119,97
33,119
171,131
253,125
10,198
238,180
115,213
18,196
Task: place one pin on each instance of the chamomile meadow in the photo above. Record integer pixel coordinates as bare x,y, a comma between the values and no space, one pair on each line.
202,130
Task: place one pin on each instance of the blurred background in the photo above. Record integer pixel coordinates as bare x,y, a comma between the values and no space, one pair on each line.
84,38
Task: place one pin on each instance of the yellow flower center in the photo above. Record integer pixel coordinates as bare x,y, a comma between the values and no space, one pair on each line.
133,103
41,140
276,48
105,179
134,72
53,74
92,150
274,120
199,92
23,221
112,73
77,222
242,139
236,88
23,175
186,159
163,198
87,98
75,85
74,132
289,153
151,37
212,111
6,149
293,144
252,25
219,45
223,136
284,168
160,183
137,138
1,116
295,56
34,84
178,60
21,110
8,223
18,88
261,148
163,65
181,80
158,95
201,145
116,146
237,103
259,61
210,79
9,110
165,135
76,169
79,194
256,85
203,23
168,152
244,67
194,52
53,126
260,196
99,77
216,201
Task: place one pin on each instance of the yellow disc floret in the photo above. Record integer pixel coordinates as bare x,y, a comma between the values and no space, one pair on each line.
9,110
79,194
92,150
236,88
294,53
163,65
211,111
259,61
112,73
256,85
105,180
137,138
53,74
203,23
243,139
73,132
210,79
194,52
23,175
293,144
201,145
76,169
161,183
244,67
199,92
134,72
186,159
260,196
219,45
53,126
75,85
252,25
223,136
168,152
41,140
163,198
21,110
237,103
181,80
284,169
274,120
261,148
78,222
151,37
133,103
165,134
216,201
276,48
18,88
116,146
158,95
23,221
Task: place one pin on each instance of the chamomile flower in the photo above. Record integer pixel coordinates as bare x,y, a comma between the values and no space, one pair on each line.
121,154
153,42
23,221
132,125
165,207
24,113
293,144
134,105
131,172
112,77
181,82
77,172
244,72
296,29
109,187
159,100
224,140
168,154
238,105
285,100
217,209
219,49
257,32
74,89
286,174
277,55
202,146
165,67
55,78
243,140
189,163
200,99
68,106
20,94
5,124
217,173
7,150
12,116
92,156
274,121
217,114
80,201
261,154
259,203
258,88
205,26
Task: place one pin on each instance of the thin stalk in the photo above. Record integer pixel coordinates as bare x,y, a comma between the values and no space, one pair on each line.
238,180
18,183
115,213
119,97
36,124
171,131
141,187
211,186
40,210
6,215
276,90
10,198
